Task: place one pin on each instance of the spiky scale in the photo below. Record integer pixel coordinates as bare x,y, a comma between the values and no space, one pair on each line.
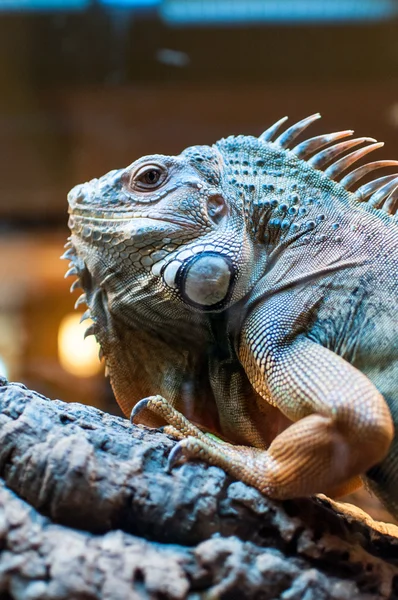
287,137
70,272
91,330
82,299
76,284
337,168
271,131
391,203
366,190
382,193
308,147
68,255
320,160
85,315
354,176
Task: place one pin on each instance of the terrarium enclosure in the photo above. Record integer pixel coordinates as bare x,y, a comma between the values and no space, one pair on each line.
88,86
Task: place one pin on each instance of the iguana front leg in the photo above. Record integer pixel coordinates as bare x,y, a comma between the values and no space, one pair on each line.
251,465
342,425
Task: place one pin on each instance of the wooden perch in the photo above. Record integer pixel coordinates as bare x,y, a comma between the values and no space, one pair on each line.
87,511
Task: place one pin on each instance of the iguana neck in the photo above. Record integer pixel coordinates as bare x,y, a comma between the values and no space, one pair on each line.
172,323
284,198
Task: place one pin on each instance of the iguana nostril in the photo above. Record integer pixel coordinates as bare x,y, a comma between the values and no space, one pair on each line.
81,197
77,195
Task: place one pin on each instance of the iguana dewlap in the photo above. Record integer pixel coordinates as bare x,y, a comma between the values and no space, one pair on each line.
245,286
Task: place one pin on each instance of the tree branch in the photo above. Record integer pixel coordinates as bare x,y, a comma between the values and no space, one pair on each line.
87,510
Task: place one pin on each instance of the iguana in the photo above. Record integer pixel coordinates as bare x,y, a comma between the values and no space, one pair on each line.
242,289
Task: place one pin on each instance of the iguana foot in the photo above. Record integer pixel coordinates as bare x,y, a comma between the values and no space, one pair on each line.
248,464
170,430
179,426
251,465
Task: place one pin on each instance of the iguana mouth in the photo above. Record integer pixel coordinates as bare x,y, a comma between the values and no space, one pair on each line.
103,215
109,217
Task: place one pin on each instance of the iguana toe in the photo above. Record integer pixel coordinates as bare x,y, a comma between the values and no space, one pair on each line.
178,425
177,455
139,407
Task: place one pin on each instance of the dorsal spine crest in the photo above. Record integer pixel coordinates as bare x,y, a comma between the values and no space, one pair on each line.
326,164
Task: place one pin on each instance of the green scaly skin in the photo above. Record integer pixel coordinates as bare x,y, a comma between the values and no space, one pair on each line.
243,288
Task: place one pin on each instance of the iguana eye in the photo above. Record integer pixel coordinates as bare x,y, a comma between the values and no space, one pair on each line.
148,178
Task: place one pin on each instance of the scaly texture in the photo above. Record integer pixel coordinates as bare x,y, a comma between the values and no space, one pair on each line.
244,287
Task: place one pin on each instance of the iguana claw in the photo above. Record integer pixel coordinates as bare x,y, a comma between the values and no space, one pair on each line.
176,456
138,408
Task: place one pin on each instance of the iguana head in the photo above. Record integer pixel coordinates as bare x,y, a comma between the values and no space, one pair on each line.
166,228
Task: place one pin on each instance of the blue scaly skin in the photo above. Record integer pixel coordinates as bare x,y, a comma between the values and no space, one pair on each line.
243,289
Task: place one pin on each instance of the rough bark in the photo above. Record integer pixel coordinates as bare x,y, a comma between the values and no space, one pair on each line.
87,511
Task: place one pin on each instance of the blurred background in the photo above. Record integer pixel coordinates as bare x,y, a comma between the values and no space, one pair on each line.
91,85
